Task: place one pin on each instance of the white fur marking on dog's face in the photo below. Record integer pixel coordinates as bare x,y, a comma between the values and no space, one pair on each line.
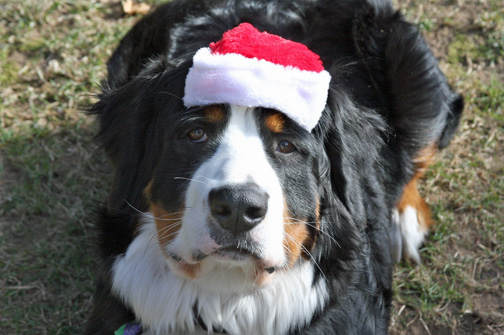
164,302
239,159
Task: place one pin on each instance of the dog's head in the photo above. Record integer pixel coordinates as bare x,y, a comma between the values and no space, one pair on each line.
242,191
230,188
235,186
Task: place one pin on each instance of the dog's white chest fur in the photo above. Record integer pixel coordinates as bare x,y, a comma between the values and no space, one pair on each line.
165,303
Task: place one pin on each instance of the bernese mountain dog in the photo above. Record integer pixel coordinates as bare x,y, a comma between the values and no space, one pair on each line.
253,194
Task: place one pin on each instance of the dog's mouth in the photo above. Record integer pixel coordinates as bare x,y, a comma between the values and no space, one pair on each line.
235,253
228,253
232,253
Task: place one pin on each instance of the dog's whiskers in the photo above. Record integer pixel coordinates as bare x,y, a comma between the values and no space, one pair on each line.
313,226
160,236
150,216
161,233
159,218
167,236
171,94
172,213
175,224
137,210
306,250
190,179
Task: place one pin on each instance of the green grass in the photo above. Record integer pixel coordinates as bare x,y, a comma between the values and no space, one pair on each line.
52,177
53,58
47,213
462,260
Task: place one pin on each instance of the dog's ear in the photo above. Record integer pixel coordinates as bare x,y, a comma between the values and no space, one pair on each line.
352,144
131,120
146,40
158,34
352,201
456,105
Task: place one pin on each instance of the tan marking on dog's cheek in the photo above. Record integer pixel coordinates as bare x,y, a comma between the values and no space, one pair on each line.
167,227
275,123
311,240
296,234
214,114
167,224
148,191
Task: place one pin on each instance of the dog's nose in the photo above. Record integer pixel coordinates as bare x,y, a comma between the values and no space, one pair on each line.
238,208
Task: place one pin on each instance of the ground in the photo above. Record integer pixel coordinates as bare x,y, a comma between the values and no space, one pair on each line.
52,56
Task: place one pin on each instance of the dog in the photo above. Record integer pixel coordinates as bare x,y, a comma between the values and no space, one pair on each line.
279,216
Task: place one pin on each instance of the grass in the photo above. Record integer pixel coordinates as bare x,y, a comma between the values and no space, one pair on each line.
458,287
52,56
51,175
46,231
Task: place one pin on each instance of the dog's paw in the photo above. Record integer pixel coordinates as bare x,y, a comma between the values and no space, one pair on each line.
408,233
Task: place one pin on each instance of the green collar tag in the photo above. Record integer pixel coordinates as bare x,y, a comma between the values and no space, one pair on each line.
120,331
129,328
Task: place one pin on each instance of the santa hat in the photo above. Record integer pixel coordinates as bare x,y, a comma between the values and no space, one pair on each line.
254,69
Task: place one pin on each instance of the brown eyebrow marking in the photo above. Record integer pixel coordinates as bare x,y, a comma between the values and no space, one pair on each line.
275,122
214,113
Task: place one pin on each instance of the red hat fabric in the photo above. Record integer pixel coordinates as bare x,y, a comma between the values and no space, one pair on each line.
257,69
247,41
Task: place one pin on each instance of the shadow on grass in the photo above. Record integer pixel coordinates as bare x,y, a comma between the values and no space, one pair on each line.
50,185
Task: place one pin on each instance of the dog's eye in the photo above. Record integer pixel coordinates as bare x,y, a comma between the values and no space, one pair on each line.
285,147
197,135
